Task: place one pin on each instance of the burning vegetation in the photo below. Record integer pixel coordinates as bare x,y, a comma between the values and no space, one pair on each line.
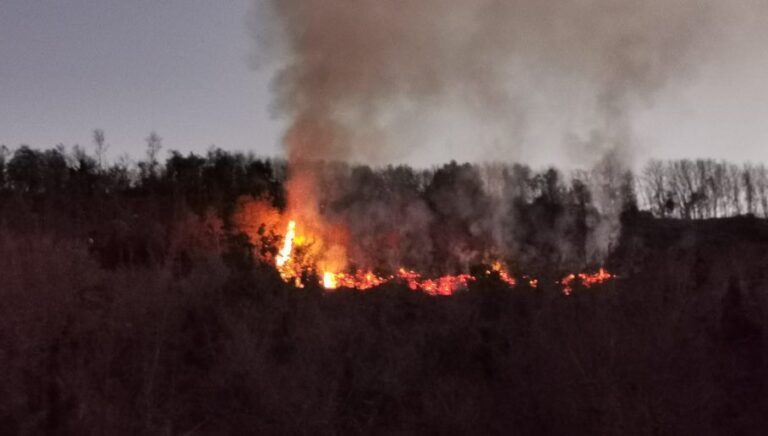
336,250
292,270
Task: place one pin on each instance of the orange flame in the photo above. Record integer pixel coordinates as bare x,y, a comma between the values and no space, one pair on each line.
361,280
285,252
587,280
446,285
314,248
503,274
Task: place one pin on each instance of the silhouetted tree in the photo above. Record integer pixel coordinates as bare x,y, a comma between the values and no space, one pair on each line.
83,171
3,157
25,170
100,146
461,208
185,173
120,175
55,169
149,168
704,189
402,180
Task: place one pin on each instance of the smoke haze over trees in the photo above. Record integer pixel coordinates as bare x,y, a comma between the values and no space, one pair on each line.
448,217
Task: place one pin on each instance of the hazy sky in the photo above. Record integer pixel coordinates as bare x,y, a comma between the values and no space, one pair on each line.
184,68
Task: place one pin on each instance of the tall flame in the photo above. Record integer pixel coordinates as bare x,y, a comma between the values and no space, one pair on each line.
329,280
285,252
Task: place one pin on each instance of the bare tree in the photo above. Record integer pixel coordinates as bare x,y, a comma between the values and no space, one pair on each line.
4,152
719,187
154,144
681,187
750,199
734,192
654,188
760,179
99,142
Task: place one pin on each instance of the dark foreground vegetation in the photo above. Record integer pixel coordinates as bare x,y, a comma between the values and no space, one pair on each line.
129,304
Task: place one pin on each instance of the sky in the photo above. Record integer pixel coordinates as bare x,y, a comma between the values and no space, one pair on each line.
180,67
185,69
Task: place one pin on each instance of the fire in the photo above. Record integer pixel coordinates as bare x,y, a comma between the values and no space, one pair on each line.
587,280
361,280
291,269
283,261
330,281
364,280
285,252
504,275
313,248
446,285
601,276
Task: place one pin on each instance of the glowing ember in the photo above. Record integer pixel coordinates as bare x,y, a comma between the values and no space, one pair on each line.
446,285
361,280
587,280
593,279
504,275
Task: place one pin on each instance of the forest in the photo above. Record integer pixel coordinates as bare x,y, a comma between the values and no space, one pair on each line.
133,300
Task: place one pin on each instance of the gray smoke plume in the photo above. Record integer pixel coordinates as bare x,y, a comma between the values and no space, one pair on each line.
374,80
380,81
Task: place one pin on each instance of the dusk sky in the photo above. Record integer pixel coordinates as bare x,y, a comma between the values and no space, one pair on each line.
185,69
180,67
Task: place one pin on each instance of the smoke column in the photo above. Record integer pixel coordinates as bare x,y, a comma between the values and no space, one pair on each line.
380,81
375,80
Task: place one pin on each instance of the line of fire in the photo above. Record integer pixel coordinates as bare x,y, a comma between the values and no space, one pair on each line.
301,253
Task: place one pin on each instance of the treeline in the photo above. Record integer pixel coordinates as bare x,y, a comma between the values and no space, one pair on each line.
211,180
704,188
450,217
71,193
684,189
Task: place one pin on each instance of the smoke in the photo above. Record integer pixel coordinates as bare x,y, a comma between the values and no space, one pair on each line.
384,80
407,81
